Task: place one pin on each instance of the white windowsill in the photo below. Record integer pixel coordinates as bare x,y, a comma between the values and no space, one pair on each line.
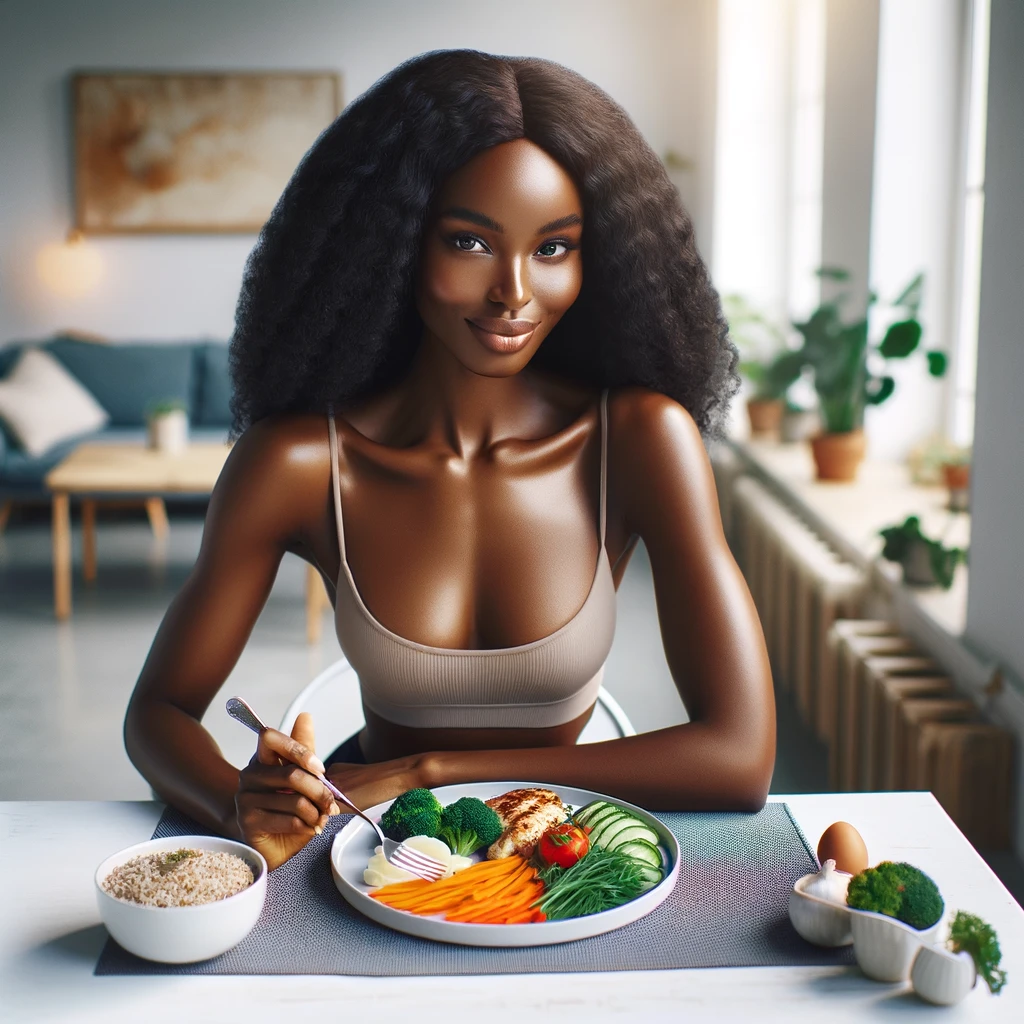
849,517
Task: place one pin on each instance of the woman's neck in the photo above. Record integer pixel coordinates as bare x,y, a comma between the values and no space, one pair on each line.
463,410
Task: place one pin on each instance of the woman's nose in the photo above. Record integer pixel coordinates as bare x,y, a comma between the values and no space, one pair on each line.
511,288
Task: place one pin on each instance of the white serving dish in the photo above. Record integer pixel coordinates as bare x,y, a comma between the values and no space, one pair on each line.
818,920
942,977
885,948
182,935
354,844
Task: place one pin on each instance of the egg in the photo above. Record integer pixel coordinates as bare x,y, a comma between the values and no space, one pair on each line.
842,843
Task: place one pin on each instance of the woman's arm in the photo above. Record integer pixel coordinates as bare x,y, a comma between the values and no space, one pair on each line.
661,487
261,506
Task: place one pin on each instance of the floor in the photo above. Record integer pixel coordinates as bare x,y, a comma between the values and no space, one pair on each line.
64,686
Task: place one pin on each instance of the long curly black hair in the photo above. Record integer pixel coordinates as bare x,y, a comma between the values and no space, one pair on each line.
326,312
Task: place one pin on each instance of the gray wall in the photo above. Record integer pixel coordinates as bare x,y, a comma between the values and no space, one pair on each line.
995,605
656,57
851,78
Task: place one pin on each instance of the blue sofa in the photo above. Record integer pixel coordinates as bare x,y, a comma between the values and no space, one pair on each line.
125,378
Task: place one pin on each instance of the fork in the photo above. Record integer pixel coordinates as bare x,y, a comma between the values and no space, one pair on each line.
421,865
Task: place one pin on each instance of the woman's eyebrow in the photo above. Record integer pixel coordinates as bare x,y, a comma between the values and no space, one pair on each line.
481,219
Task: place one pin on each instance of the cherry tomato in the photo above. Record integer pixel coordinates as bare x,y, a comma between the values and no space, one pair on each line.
563,845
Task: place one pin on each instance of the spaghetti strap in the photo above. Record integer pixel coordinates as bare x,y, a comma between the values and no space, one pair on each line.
335,481
604,461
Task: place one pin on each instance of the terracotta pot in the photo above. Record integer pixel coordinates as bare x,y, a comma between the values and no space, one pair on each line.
957,475
765,415
838,456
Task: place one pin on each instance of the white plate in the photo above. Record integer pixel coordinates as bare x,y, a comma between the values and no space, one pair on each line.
354,844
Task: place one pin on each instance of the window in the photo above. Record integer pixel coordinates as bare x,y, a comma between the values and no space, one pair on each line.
971,213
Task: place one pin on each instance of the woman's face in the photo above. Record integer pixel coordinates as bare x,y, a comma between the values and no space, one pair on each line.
501,258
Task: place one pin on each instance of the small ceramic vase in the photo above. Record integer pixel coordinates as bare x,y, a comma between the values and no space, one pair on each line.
168,432
942,977
885,948
818,920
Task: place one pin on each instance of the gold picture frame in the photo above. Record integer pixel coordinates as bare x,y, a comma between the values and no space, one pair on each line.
192,152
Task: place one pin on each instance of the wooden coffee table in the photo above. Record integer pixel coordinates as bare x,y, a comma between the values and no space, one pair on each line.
115,472
112,473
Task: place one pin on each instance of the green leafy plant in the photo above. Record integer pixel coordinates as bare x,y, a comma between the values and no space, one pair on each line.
901,540
897,890
969,934
764,359
840,353
164,406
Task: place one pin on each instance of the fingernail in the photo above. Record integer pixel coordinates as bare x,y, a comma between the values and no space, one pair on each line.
318,765
318,830
335,809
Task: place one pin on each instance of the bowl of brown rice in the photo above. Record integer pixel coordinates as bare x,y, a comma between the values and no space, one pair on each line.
181,899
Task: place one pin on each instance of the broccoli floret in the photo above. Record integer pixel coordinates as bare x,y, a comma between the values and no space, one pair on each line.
468,824
416,812
897,890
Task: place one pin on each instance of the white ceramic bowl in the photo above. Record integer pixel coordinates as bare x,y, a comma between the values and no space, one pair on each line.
942,977
885,948
182,935
818,920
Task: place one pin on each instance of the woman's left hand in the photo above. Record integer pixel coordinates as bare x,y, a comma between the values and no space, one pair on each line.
369,784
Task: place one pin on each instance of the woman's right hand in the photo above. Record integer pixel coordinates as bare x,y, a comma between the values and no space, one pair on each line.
281,804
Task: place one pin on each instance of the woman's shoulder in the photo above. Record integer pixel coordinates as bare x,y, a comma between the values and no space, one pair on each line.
639,417
282,454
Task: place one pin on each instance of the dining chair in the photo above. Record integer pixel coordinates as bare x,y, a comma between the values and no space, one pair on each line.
333,700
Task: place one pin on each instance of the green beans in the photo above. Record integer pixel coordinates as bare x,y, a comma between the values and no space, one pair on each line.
603,879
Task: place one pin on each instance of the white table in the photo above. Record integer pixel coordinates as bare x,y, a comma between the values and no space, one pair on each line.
50,937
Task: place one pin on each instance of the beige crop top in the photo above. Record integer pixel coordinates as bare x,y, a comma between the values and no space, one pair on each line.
544,683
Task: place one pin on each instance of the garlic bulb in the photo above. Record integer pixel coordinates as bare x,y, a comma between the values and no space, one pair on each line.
829,884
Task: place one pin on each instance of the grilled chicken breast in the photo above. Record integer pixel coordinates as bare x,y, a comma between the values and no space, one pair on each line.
526,814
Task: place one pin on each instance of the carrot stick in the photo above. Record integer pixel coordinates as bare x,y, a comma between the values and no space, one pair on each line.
520,901
437,890
477,874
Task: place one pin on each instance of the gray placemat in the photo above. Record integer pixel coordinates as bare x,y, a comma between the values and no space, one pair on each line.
728,909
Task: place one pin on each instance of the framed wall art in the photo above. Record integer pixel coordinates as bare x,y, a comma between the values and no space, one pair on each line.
177,153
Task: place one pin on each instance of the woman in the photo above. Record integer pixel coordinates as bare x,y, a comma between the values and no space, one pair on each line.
475,353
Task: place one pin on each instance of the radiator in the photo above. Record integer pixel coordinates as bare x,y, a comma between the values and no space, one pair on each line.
889,716
800,587
900,724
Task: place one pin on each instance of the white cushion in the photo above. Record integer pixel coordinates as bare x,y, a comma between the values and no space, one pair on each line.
42,404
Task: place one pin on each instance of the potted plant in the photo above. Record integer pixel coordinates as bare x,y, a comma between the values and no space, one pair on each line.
956,472
765,362
167,423
925,562
842,358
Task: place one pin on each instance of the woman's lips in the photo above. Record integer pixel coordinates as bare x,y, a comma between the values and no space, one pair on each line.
503,336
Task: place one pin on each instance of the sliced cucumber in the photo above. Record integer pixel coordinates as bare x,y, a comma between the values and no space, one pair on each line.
652,876
640,849
584,814
608,828
603,817
627,833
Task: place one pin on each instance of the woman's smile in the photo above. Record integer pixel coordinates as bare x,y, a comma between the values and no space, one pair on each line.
503,336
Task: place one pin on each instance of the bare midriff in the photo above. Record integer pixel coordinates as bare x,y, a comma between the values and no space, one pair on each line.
382,740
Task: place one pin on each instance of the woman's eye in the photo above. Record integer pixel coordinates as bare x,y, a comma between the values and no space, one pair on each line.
467,243
554,249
